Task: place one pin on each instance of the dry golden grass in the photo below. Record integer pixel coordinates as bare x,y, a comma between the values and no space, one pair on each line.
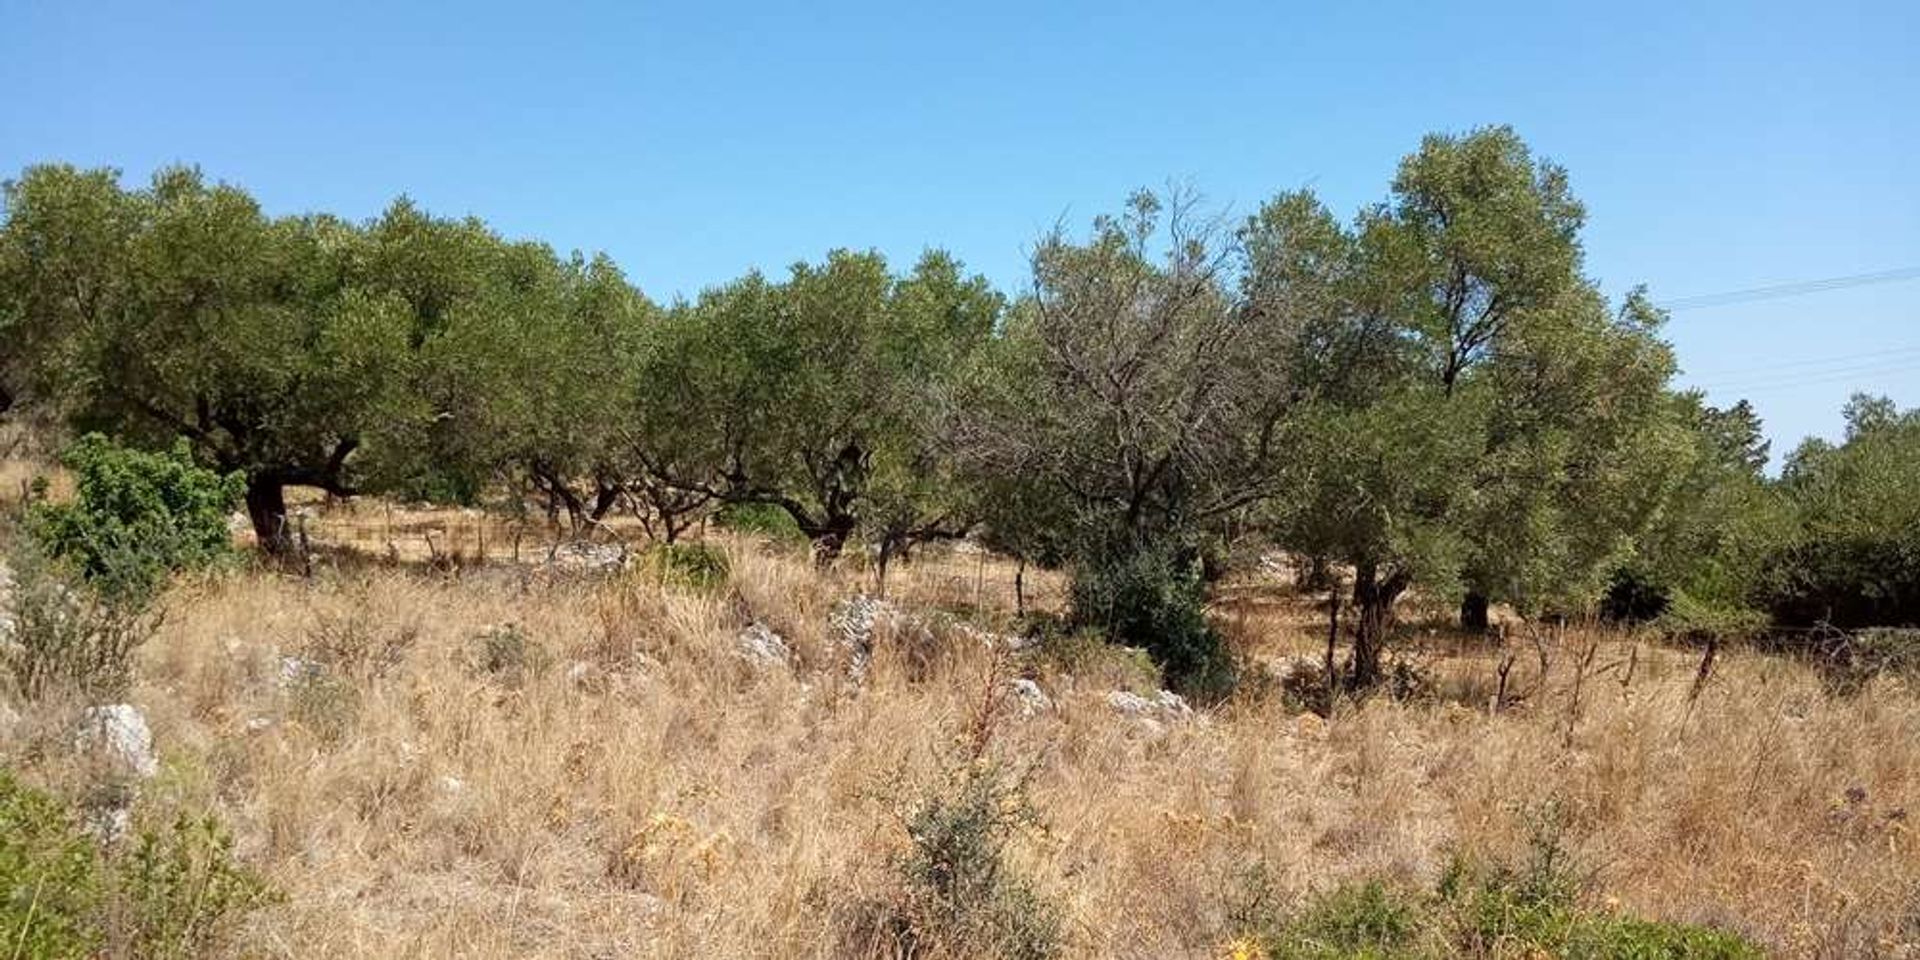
642,791
17,476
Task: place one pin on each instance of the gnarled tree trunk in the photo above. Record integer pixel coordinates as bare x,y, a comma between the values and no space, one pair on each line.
1473,612
605,495
267,509
1373,597
829,536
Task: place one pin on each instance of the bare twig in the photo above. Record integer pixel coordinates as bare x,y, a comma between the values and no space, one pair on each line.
1580,669
1500,695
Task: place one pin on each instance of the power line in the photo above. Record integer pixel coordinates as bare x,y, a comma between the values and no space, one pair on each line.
1812,378
1884,355
1778,291
1789,372
1817,377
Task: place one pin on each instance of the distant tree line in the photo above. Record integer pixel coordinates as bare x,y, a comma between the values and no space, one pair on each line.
1430,393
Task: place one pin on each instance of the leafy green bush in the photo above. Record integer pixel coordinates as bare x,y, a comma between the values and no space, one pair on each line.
1155,598
1628,938
1534,907
1687,618
1497,914
1855,559
137,516
178,892
49,878
1482,916
1634,596
1529,909
434,481
760,520
1366,920
700,566
1853,579
175,893
961,894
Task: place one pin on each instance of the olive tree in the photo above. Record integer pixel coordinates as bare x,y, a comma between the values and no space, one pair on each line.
181,309
1476,416
1579,452
1854,557
535,377
1707,556
410,353
820,395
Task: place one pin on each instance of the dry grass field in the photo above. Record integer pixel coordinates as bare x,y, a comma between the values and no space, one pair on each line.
500,759
482,765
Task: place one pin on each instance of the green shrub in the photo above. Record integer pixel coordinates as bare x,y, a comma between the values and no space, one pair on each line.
1628,938
961,896
1869,578
1155,598
1532,908
1689,618
1366,920
1535,907
433,481
1491,916
1855,557
178,893
1483,916
49,877
700,566
1634,596
174,893
760,520
1484,909
137,516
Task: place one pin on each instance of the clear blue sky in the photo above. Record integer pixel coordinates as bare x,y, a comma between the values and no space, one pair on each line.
1719,146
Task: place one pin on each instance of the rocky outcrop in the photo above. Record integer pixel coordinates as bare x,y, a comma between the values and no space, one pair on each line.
1029,696
853,625
1165,705
759,645
580,556
119,733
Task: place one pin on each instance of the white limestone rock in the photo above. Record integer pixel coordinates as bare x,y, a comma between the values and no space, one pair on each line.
120,731
1031,698
759,645
1153,712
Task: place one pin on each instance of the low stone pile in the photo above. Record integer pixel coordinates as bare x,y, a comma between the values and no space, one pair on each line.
853,624
581,556
759,645
1151,713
